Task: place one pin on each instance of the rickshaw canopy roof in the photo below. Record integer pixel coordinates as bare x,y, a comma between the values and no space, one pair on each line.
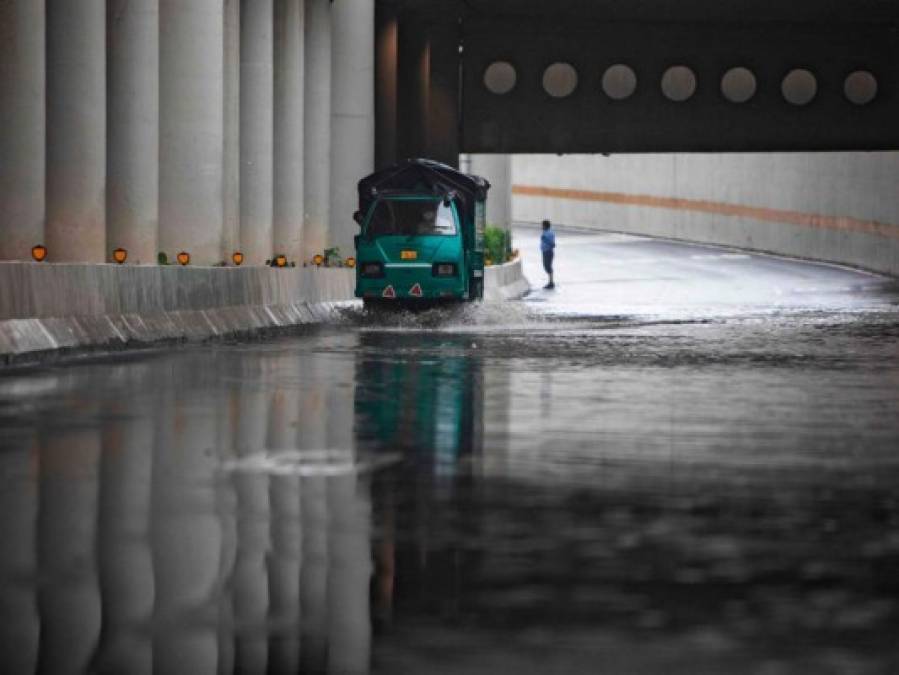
423,176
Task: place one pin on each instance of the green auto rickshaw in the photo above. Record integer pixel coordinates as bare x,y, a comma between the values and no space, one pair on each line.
422,238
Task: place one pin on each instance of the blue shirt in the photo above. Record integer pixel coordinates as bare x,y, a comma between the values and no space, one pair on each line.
547,240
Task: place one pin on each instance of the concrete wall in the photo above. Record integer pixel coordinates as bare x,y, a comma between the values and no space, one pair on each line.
504,282
837,207
51,307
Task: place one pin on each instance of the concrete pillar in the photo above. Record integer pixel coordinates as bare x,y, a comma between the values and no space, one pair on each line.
428,76
352,113
413,74
231,192
386,53
498,170
22,126
132,186
289,81
443,92
256,129
191,128
317,127
76,130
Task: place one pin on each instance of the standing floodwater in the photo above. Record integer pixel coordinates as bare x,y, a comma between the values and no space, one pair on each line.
681,460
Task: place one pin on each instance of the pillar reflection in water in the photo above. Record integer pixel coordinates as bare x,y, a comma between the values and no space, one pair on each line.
125,556
69,597
286,526
186,532
130,545
349,512
19,622
250,582
314,509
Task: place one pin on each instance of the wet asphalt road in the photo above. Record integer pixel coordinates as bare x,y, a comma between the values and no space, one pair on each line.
683,460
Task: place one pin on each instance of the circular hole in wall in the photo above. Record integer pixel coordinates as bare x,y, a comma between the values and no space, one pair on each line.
738,85
619,82
799,86
560,80
500,77
678,83
860,87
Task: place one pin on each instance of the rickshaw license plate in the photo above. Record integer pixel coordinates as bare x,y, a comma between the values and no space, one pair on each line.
408,255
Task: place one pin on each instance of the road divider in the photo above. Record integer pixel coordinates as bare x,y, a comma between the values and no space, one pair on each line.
48,310
504,282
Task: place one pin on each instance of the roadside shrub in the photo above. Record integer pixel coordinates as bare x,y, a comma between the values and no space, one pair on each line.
497,245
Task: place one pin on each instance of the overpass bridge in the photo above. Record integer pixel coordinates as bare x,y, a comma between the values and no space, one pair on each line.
651,76
219,125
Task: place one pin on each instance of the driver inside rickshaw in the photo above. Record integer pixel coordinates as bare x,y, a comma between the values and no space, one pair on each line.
411,218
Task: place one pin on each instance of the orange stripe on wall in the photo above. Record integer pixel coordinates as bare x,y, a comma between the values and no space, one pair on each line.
841,223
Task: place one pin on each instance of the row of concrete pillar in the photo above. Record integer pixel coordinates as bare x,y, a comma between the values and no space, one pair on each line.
165,125
127,550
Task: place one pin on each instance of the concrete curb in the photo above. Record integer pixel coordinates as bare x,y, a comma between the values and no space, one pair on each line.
63,309
505,282
48,311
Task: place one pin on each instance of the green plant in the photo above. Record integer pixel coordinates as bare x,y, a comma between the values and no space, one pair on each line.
495,246
162,258
332,257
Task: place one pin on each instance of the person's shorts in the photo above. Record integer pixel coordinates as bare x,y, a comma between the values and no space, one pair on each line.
548,261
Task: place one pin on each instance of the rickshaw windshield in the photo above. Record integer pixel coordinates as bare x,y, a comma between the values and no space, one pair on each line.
411,218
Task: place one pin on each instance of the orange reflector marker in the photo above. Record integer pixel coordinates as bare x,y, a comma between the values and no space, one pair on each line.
389,292
415,291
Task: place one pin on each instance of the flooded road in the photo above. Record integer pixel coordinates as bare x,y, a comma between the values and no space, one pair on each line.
682,460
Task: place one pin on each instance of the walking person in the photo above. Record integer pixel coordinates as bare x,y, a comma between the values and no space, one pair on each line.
548,249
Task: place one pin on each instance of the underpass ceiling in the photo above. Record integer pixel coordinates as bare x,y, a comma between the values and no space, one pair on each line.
864,11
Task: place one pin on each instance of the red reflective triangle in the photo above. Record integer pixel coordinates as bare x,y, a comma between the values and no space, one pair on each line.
415,290
389,292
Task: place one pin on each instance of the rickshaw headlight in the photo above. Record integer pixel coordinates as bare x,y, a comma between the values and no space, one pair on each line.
371,269
444,269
